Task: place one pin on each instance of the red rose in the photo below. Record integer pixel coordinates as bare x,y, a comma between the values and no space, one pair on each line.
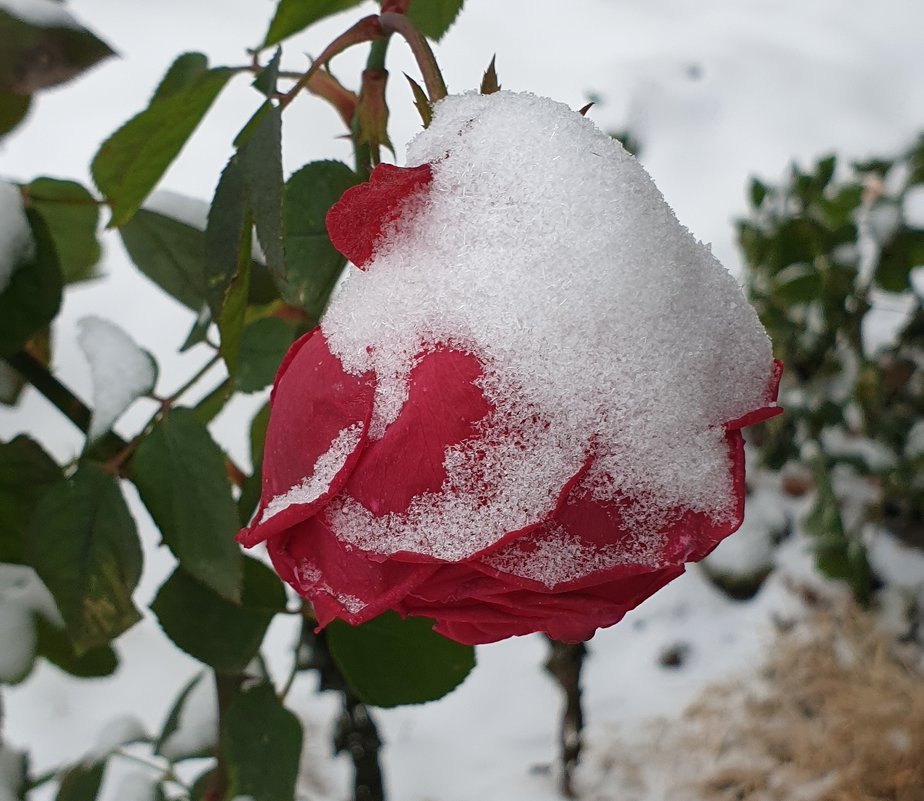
525,414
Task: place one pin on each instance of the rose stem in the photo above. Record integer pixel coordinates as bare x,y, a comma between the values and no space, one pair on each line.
564,663
433,78
356,731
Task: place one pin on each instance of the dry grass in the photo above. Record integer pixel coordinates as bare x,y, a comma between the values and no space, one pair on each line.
839,717
836,714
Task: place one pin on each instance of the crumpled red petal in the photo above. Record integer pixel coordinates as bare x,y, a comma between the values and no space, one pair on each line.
315,404
443,406
357,220
340,580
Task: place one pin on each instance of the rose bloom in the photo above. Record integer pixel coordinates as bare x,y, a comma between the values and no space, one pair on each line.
522,412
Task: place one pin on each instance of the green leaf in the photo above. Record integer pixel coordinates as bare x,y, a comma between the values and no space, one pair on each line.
172,254
72,217
180,474
208,408
265,82
250,492
182,73
902,254
54,644
173,717
217,632
81,783
263,745
36,57
839,554
260,157
313,263
797,283
199,332
26,474
758,192
391,661
293,16
13,110
434,17
263,345
131,162
85,548
33,296
227,259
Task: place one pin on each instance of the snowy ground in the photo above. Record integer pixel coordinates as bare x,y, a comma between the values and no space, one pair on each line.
715,91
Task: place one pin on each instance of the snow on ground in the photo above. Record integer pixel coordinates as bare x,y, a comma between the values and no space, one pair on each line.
715,91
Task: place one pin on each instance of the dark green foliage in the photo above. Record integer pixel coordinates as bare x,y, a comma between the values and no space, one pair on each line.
26,474
825,252
434,17
72,216
262,744
33,296
180,474
392,661
313,264
84,546
212,629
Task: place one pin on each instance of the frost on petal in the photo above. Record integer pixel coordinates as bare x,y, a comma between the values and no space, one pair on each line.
341,581
319,421
16,243
120,370
542,249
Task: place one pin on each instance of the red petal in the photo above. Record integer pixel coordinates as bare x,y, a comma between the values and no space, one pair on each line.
315,405
442,408
341,581
481,609
357,220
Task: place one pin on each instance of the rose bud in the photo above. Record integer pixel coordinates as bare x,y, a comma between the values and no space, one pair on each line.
522,412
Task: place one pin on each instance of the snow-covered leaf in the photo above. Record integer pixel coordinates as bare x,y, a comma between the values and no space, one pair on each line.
121,371
191,728
43,46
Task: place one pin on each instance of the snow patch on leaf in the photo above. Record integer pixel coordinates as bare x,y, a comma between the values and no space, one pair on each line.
42,13
16,243
197,728
121,371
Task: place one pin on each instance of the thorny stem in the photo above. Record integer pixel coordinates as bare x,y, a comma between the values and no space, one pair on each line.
433,78
365,30
564,663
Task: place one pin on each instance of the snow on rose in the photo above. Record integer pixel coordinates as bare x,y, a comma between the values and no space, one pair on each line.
522,412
